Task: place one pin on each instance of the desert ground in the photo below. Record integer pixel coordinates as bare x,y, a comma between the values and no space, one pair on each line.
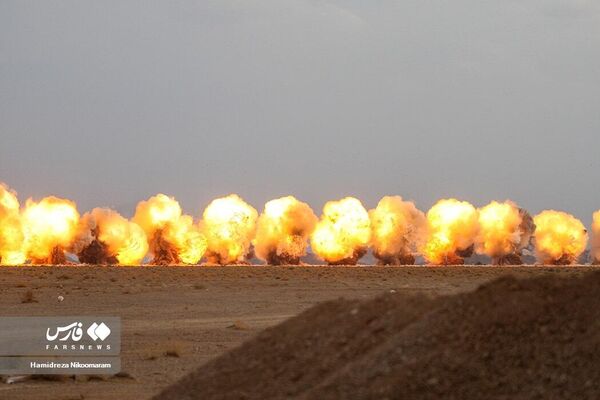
176,318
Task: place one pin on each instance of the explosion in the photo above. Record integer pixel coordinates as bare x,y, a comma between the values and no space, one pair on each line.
397,228
343,233
504,231
173,238
229,225
596,238
232,232
105,237
50,227
452,229
11,229
283,230
560,238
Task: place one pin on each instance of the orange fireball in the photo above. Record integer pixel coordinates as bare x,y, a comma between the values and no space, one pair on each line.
173,237
596,238
452,228
397,228
342,235
50,227
229,225
12,238
504,231
560,238
105,237
283,230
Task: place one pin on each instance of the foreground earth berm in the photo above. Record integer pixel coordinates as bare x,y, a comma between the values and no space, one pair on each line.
509,339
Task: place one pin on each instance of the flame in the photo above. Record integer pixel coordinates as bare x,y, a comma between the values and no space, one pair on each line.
105,237
42,232
156,213
596,238
173,237
452,229
560,238
343,233
12,237
504,231
229,225
283,230
50,228
397,228
189,241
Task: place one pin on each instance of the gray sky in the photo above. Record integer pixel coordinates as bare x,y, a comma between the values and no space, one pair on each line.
110,102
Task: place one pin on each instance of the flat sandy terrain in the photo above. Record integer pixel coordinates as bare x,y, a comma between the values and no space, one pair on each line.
175,318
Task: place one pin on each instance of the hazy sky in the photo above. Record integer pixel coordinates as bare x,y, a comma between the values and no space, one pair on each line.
109,102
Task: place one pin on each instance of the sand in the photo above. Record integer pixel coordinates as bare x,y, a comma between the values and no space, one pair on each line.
177,318
509,339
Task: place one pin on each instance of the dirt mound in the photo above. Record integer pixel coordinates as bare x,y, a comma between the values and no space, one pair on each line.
509,339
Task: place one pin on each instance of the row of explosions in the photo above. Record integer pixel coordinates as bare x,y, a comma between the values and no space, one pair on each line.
232,232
